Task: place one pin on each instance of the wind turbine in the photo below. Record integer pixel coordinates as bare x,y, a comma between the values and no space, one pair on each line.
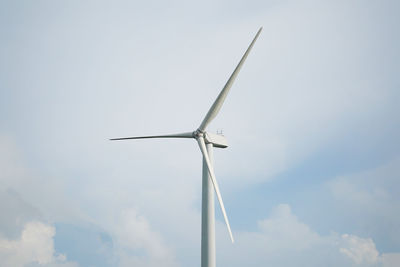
206,142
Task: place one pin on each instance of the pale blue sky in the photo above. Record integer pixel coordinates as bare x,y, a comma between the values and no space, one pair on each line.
311,176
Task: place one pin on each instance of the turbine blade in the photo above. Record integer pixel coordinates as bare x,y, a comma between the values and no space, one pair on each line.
179,135
222,95
203,149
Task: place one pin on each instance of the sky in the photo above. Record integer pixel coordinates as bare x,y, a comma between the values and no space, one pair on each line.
311,174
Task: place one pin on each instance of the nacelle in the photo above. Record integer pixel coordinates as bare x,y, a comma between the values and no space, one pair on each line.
217,140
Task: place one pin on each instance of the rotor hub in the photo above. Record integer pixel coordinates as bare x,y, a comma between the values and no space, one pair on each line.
198,133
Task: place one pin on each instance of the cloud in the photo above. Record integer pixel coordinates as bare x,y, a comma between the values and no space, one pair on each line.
25,239
284,230
16,212
22,184
283,240
371,200
319,78
87,244
360,250
138,244
35,245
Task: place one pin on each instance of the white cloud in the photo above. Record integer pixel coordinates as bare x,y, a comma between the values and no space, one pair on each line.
35,245
364,196
26,240
360,250
284,230
283,240
27,184
11,168
138,245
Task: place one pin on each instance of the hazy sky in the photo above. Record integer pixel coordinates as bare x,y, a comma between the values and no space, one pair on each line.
311,176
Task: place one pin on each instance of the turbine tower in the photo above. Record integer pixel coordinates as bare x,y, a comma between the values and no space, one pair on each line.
206,142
